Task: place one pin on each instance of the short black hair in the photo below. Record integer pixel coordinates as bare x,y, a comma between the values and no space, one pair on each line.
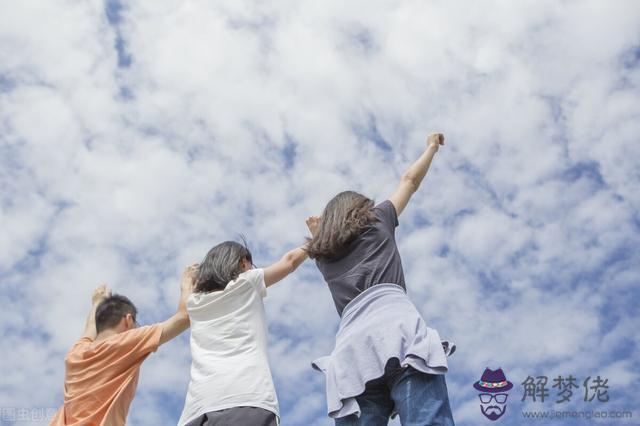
111,310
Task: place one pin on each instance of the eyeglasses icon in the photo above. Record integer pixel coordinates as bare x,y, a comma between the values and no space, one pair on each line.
486,398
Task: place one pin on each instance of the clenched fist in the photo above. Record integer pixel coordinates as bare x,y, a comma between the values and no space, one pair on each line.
100,293
434,140
189,276
313,223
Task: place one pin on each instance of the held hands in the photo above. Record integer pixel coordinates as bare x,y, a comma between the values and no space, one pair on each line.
313,223
434,141
188,281
99,294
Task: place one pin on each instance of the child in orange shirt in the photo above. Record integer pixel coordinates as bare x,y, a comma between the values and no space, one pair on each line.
102,368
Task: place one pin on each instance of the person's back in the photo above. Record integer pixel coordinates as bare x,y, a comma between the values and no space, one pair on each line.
371,258
230,376
386,359
229,349
101,377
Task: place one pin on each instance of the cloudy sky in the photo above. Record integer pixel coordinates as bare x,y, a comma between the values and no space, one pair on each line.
135,137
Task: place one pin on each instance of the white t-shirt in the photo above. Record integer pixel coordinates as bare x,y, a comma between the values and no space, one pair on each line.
229,349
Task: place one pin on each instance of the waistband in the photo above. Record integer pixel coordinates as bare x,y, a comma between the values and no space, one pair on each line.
370,295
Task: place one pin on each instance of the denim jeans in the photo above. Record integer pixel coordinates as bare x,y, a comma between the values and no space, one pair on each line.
420,399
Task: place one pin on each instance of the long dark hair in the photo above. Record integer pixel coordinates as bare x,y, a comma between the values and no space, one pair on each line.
344,218
221,265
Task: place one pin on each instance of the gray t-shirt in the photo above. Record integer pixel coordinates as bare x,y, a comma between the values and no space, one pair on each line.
372,258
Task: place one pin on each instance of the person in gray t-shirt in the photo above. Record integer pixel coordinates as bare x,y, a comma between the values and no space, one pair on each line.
371,258
381,339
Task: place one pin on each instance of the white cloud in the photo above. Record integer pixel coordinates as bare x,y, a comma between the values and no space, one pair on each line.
125,174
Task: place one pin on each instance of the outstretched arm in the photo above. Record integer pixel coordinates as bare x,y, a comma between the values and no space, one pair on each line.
99,294
286,265
413,176
179,322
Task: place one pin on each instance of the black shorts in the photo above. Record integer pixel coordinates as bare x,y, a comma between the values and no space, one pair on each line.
236,416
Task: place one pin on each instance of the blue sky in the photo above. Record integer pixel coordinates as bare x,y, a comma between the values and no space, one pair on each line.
135,137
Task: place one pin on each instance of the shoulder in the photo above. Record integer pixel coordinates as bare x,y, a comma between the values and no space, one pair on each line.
80,346
143,331
385,207
134,335
256,278
386,212
254,275
253,278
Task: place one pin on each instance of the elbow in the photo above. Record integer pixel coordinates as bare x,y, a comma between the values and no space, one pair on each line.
410,182
291,265
182,318
290,262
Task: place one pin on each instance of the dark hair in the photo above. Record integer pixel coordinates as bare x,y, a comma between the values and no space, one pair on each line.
220,266
344,218
111,310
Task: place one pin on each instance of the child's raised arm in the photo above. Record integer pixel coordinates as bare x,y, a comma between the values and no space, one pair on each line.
179,322
99,294
286,265
412,178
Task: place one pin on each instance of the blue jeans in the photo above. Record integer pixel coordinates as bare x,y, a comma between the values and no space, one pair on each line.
420,399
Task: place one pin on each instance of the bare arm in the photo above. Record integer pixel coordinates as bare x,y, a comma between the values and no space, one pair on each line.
286,265
413,176
179,322
99,294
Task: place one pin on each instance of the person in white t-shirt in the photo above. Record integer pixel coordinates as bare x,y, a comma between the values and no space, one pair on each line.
231,380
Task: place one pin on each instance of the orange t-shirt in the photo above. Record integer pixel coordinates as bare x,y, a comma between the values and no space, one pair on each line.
101,378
